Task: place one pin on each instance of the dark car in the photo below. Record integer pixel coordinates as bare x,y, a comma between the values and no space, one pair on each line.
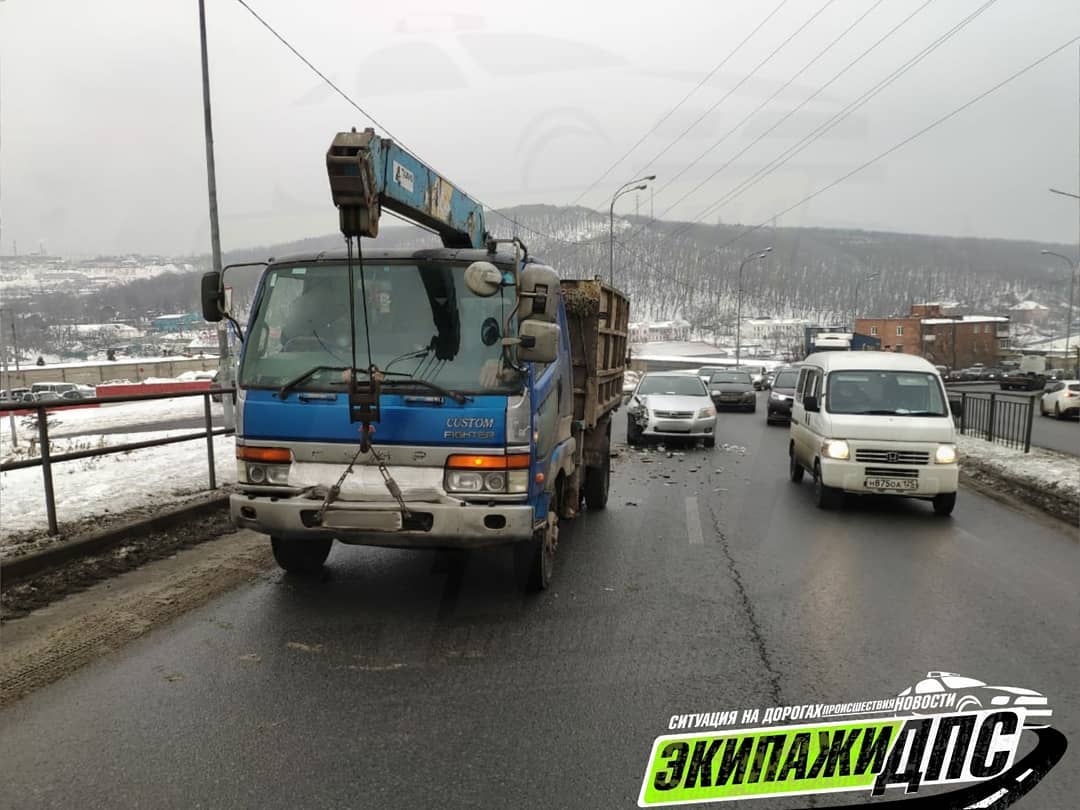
782,395
1023,381
733,389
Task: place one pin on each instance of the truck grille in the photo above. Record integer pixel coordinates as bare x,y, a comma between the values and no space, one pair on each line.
892,457
891,472
674,414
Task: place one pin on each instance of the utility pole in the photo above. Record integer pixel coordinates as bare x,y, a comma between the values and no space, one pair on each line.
738,313
8,387
224,363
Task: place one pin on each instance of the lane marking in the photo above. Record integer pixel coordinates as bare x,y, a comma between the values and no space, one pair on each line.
693,523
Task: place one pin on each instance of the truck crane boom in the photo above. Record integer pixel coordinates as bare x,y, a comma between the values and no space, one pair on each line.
368,173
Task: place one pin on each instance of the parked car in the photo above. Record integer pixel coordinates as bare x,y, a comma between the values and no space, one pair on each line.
1061,398
1023,381
733,389
781,395
57,388
671,406
991,373
873,423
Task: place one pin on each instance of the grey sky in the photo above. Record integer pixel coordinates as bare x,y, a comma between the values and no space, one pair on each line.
102,150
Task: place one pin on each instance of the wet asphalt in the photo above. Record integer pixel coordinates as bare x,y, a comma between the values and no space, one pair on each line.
711,583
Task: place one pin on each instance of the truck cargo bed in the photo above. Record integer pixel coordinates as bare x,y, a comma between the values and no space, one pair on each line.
598,316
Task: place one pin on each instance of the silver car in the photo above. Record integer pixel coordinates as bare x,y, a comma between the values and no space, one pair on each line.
671,406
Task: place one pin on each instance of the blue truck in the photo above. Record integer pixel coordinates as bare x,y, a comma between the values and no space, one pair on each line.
457,397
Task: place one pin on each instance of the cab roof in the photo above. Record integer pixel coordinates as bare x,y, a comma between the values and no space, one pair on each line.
885,361
427,254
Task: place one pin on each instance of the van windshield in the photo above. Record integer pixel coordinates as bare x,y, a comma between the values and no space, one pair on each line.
885,393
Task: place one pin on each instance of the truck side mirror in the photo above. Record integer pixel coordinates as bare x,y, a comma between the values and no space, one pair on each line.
539,342
810,403
213,297
538,293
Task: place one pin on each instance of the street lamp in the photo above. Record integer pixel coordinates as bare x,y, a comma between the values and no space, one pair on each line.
1073,268
855,309
761,254
625,188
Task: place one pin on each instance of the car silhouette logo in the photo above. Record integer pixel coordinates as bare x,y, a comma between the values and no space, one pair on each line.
892,458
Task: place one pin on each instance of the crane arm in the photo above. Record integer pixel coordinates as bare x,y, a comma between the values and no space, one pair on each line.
368,173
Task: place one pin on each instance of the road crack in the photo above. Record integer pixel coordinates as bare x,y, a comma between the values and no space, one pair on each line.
756,635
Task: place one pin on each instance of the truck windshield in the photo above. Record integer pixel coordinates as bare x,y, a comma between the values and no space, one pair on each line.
423,323
885,393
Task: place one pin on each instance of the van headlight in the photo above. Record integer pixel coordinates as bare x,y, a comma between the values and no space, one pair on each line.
836,449
945,454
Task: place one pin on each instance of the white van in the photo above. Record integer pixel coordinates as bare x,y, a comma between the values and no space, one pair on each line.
873,423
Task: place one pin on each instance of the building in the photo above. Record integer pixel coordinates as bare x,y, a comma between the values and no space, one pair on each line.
1029,312
178,323
656,331
956,341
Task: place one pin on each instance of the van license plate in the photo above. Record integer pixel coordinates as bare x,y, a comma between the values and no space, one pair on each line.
892,484
365,520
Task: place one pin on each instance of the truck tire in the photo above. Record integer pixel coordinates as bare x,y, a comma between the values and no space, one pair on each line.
301,556
536,557
597,484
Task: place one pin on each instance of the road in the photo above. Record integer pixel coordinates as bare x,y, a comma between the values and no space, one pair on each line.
1062,435
711,583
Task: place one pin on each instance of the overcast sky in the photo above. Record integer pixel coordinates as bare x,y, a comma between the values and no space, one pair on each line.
527,102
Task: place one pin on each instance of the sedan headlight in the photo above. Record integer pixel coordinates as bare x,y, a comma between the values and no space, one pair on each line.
836,449
945,454
706,413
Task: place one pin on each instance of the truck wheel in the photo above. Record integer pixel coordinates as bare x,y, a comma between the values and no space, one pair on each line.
825,497
536,557
301,556
597,484
944,503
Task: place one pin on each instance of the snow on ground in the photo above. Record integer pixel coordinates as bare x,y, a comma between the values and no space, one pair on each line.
113,483
87,420
1040,469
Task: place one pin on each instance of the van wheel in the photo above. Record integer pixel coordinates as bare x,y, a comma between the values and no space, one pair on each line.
825,497
301,556
795,470
944,503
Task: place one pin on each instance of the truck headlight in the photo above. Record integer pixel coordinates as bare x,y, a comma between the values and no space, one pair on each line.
836,449
273,474
491,474
945,454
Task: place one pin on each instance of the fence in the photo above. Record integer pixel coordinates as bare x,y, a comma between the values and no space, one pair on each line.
1004,419
46,460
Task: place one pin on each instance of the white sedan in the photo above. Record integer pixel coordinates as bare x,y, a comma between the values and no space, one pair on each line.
1061,398
671,406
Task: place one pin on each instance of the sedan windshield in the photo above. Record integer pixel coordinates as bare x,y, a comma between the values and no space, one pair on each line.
740,377
670,384
422,320
885,393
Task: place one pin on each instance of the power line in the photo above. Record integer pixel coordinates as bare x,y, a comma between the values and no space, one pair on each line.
762,105
822,129
732,91
682,101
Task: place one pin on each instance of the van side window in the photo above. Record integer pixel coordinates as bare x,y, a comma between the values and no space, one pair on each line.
813,384
803,374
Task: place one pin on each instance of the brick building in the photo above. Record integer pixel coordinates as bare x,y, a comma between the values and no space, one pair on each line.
895,334
955,341
1029,312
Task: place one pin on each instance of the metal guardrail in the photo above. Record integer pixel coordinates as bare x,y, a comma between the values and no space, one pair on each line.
1005,419
47,459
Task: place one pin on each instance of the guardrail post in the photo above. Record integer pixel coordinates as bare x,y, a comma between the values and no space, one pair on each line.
209,440
963,412
1030,421
46,469
993,414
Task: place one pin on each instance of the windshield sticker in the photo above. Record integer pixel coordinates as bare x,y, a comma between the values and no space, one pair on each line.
935,738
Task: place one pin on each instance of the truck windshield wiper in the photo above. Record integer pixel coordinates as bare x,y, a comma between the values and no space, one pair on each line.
459,398
299,378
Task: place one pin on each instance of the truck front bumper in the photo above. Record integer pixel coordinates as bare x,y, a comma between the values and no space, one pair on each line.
430,525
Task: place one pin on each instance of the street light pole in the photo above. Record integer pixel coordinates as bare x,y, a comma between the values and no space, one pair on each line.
1074,267
855,309
738,311
625,188
224,365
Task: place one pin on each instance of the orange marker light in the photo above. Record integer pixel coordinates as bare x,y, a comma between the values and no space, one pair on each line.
518,461
270,455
